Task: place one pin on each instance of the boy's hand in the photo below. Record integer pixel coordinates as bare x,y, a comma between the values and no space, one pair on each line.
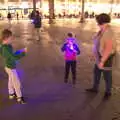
25,49
101,65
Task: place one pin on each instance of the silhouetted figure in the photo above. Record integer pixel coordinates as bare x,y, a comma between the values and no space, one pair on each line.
37,23
86,14
9,17
17,16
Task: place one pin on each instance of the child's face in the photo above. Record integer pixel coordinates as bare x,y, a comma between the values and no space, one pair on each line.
9,40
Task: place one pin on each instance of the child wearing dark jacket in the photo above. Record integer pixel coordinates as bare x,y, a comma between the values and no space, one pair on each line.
71,50
37,24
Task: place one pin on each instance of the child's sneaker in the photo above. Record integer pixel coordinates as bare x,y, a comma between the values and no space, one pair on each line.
21,100
12,96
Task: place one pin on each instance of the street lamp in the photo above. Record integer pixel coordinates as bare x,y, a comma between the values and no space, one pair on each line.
82,13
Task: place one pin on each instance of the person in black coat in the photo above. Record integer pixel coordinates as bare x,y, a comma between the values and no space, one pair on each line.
9,17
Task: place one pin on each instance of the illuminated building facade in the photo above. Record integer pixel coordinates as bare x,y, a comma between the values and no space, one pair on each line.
24,7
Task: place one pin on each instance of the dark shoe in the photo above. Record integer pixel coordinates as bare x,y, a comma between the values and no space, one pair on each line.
73,82
21,100
107,95
92,90
65,80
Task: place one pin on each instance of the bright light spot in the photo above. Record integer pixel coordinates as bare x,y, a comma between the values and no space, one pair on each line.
24,5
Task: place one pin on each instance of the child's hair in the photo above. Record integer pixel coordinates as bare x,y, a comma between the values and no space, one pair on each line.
70,35
6,34
103,18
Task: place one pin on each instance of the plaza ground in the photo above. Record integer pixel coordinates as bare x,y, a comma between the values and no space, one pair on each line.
42,75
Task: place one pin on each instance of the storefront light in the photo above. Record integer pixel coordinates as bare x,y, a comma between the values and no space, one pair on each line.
24,5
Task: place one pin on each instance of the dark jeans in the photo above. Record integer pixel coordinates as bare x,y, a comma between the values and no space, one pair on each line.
107,75
70,65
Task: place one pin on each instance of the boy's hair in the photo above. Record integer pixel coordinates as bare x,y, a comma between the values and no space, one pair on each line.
70,35
6,34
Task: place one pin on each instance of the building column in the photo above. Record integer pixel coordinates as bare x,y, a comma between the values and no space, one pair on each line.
111,8
20,1
51,11
41,3
66,6
77,3
98,2
82,19
5,1
34,5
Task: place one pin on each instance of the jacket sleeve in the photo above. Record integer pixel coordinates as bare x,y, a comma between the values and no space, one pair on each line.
77,49
13,56
63,48
19,54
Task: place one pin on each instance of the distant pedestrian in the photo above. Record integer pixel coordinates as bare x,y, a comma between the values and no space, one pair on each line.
71,50
17,16
9,17
0,16
37,24
104,52
10,58
32,15
22,16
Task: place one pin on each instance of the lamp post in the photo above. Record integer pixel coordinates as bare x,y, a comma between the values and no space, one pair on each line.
82,19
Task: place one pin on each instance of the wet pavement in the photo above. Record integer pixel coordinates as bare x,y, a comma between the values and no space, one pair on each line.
42,72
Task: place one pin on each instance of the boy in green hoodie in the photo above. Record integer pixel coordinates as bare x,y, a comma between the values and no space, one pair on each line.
10,58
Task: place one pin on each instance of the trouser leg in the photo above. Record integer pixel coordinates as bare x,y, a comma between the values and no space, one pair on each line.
10,85
16,83
108,80
38,33
97,77
67,69
73,69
